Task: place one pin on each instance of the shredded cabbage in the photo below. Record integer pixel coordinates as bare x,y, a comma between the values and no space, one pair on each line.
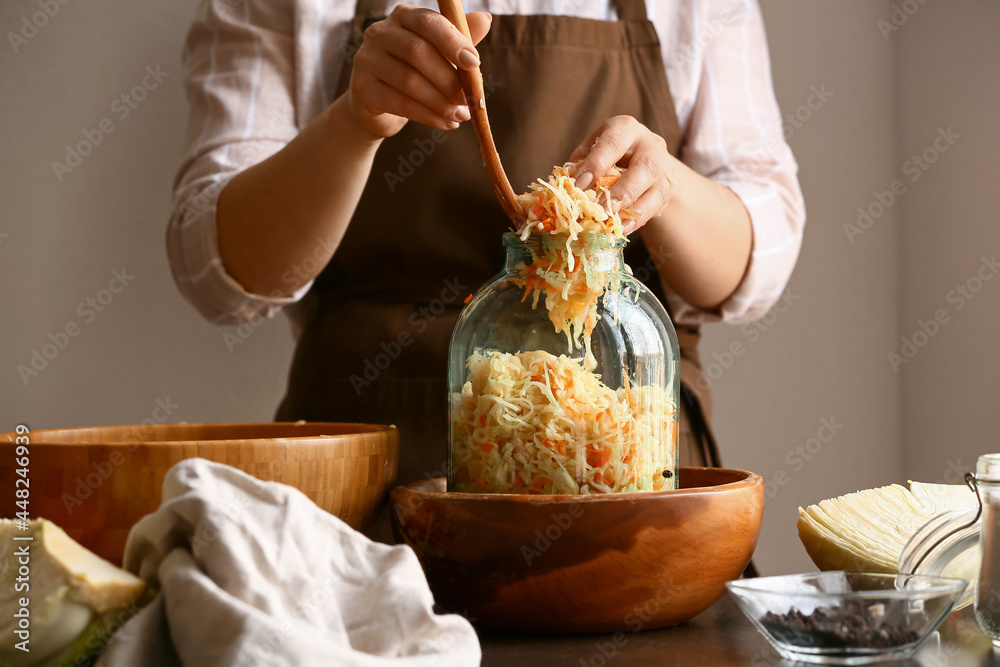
572,286
558,206
536,423
532,422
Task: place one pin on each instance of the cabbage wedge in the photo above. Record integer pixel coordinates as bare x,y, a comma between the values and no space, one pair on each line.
867,530
59,602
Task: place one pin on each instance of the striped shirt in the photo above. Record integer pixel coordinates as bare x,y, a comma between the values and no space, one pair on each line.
256,71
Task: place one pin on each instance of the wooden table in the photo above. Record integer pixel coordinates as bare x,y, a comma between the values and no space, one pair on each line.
719,637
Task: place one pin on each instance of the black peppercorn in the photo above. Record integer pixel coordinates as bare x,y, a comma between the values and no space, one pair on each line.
855,624
667,474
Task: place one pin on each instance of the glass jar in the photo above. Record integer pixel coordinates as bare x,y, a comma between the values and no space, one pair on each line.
563,376
965,543
988,584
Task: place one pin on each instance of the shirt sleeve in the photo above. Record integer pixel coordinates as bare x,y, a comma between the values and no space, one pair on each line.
239,78
736,137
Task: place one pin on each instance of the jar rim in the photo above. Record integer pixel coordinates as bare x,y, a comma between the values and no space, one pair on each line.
988,469
584,240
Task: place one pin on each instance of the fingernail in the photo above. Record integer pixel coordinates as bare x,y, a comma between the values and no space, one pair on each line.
463,113
629,227
616,204
468,59
453,125
584,180
489,16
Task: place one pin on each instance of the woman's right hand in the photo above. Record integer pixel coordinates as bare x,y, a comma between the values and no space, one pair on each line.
405,70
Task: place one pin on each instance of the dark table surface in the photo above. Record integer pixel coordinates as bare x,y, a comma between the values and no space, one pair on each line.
719,637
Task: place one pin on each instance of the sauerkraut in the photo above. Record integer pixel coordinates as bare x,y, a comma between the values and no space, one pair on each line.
533,422
571,285
557,206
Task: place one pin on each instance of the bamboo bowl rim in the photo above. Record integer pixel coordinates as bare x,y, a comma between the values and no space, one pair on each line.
428,489
136,433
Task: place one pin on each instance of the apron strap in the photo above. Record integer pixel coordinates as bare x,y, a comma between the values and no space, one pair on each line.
630,10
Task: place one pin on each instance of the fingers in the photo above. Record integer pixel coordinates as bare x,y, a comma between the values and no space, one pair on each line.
412,83
390,40
644,189
479,25
405,69
583,149
612,142
651,202
645,172
438,31
392,101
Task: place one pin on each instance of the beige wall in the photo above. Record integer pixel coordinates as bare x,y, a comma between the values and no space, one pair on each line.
950,78
825,357
66,237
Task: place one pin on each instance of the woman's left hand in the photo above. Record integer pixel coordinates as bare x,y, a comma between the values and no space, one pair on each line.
645,188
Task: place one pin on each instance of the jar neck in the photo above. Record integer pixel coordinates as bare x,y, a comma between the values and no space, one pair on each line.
602,252
988,470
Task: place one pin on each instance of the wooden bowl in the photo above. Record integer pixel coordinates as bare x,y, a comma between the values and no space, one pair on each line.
595,563
96,483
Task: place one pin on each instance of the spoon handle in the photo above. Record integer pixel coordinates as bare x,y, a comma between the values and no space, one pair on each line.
475,96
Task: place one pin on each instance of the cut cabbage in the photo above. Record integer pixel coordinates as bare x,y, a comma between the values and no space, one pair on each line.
867,530
73,594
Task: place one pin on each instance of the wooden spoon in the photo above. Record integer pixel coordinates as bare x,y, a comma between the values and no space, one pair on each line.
475,96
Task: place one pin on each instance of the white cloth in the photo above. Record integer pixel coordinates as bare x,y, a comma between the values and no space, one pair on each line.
253,573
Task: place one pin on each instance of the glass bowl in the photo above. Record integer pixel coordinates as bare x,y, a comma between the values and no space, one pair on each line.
844,617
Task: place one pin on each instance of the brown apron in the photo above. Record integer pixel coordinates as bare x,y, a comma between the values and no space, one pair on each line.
427,231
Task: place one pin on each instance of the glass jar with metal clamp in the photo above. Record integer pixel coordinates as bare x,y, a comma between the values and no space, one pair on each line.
965,543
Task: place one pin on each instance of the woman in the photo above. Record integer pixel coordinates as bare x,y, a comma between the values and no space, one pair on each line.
327,168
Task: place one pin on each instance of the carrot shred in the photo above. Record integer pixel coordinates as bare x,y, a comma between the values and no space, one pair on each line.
540,481
598,457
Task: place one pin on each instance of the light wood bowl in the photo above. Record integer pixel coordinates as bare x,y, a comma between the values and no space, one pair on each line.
96,483
596,563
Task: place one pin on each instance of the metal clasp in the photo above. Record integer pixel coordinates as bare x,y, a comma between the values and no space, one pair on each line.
972,483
